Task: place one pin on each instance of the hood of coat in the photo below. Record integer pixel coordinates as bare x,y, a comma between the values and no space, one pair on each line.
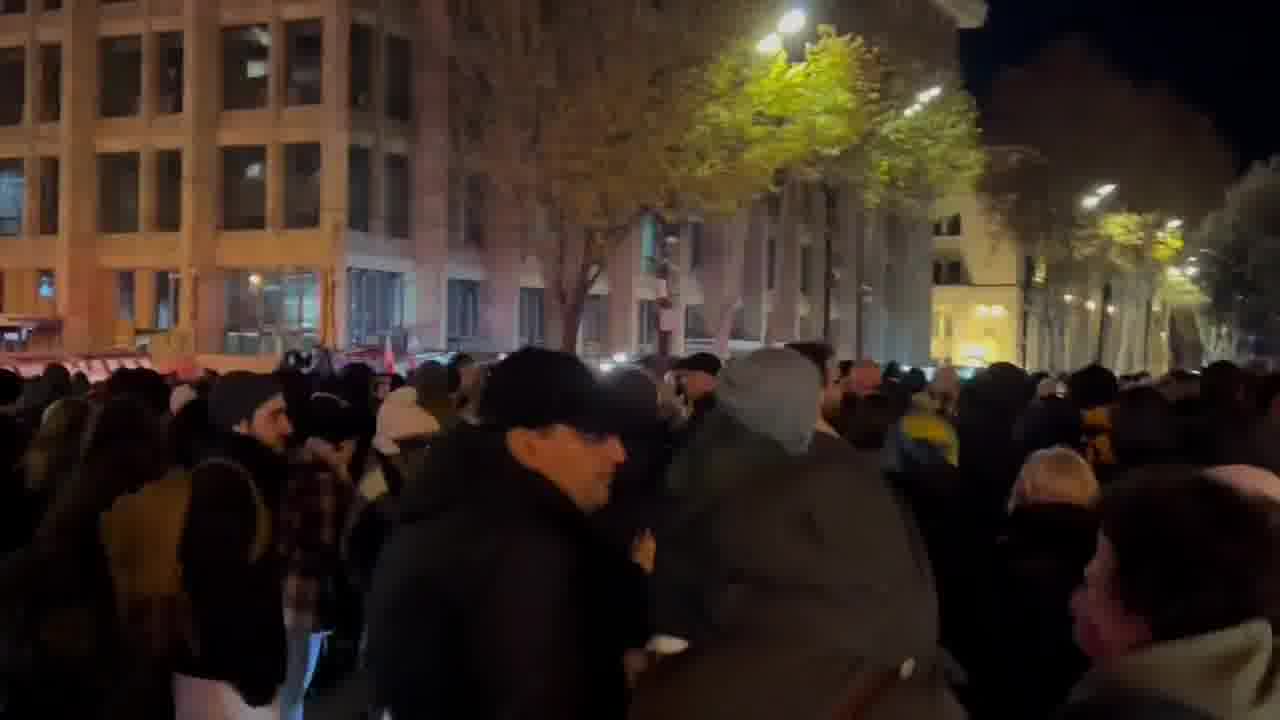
1232,674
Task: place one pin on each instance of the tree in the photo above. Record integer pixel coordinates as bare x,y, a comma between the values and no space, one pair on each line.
603,111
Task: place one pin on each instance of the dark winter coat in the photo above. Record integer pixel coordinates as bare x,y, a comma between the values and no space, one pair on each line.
494,598
792,578
1030,661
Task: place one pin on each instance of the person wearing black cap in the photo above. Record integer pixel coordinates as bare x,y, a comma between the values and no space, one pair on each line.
696,381
494,599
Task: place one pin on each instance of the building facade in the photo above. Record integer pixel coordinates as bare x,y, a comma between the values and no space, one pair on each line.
248,176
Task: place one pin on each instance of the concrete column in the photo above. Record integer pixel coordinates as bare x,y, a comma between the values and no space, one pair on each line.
149,59
335,173
784,317
75,251
429,169
503,259
756,268
147,182
201,303
849,222
144,298
918,286
623,267
677,288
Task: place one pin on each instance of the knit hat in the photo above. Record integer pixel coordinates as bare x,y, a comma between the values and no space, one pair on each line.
179,398
535,388
236,396
772,392
332,419
401,417
700,362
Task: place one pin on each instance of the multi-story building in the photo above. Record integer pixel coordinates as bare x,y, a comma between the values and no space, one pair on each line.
251,175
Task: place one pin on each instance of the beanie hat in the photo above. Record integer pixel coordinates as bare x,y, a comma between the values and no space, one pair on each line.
700,362
179,398
773,392
536,388
401,417
236,396
332,419
633,393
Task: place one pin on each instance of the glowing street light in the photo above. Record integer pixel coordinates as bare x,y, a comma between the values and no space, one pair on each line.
793,22
1091,305
1173,224
770,44
1090,202
1095,198
1111,309
1175,272
1068,298
1191,271
1107,189
929,95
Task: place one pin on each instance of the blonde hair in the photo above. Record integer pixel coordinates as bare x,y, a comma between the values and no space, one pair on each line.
1055,475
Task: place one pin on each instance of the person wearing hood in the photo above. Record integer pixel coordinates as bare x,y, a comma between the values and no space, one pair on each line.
495,597
1178,607
789,581
1029,661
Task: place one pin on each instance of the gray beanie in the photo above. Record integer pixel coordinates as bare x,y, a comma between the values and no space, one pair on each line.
773,392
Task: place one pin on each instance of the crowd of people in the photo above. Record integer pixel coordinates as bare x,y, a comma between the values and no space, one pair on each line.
779,536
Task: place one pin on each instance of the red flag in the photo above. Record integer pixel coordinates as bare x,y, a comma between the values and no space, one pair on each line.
389,357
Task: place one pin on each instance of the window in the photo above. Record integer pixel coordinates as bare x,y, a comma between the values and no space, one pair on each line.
13,7
168,293
532,316
376,307
806,265
397,189
118,193
125,296
244,188
649,322
303,73
246,67
399,70
950,271
302,185
168,190
697,232
50,83
649,261
121,76
695,323
361,67
169,73
271,311
13,78
595,319
13,185
50,176
46,285
358,190
948,226
475,211
464,309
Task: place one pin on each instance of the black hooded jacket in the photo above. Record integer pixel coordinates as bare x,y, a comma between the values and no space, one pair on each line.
494,598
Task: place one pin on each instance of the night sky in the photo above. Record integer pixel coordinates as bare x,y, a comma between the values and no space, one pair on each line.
1218,55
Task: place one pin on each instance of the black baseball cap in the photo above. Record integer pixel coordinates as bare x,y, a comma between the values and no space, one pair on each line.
700,362
536,388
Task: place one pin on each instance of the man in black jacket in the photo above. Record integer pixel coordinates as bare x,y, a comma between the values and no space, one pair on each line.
494,600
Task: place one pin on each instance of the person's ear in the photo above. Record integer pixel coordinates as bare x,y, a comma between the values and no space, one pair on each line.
522,443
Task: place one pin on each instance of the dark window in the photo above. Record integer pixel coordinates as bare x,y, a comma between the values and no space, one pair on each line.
475,211
304,71
168,290
50,83
121,76
399,71
169,190
595,319
13,78
244,188
771,271
464,309
938,270
118,192
376,307
358,188
12,7
46,285
697,233
361,67
125,294
13,185
397,194
649,319
950,271
169,73
302,185
953,225
49,194
532,316
246,67
52,5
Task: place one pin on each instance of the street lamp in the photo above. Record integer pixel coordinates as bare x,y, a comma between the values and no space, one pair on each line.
923,98
1173,224
790,23
1095,198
